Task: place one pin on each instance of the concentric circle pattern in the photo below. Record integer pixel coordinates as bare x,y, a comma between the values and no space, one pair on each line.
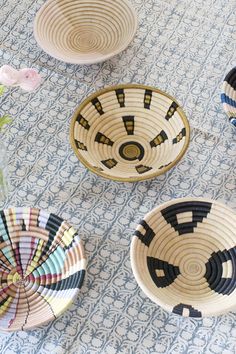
129,132
228,96
85,31
42,267
183,256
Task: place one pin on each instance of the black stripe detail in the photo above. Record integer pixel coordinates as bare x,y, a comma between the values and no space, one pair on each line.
83,122
5,226
142,169
200,211
4,301
110,163
97,104
80,145
23,226
147,99
214,271
129,124
159,139
18,257
9,239
180,136
171,110
163,166
231,78
120,97
53,224
3,261
178,309
74,281
148,235
103,139
139,154
170,272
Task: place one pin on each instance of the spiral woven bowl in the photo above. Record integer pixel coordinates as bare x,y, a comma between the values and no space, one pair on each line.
42,267
228,96
85,31
183,256
129,132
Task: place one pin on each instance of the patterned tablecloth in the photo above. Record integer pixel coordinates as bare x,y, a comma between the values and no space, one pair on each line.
184,47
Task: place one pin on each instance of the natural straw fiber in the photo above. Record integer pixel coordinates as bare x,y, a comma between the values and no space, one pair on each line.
42,266
85,31
129,132
228,96
183,256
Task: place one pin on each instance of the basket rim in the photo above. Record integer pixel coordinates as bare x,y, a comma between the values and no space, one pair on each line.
127,86
136,272
82,61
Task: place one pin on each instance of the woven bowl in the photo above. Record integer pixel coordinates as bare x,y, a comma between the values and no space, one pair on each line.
228,96
183,256
42,266
129,132
85,31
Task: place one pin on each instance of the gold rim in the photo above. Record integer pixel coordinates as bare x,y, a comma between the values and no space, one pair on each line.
126,179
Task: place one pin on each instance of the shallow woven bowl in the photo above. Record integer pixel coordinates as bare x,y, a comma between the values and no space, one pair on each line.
85,31
183,256
42,266
228,96
129,132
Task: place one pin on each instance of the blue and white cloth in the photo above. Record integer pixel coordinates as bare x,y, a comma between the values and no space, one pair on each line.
183,47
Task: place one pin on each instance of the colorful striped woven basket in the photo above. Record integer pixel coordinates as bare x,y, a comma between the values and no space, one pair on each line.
85,32
129,132
42,265
183,256
228,96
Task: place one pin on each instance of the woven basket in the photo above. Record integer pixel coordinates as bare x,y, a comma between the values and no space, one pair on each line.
129,132
85,32
183,256
42,265
228,96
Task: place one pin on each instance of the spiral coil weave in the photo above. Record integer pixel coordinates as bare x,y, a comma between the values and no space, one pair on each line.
85,31
129,132
42,267
183,256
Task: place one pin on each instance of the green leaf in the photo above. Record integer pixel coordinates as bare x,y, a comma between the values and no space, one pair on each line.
2,90
4,120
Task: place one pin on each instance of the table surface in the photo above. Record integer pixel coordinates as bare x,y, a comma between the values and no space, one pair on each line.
183,47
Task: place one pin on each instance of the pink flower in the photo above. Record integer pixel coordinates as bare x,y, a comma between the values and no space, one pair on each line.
8,75
29,79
